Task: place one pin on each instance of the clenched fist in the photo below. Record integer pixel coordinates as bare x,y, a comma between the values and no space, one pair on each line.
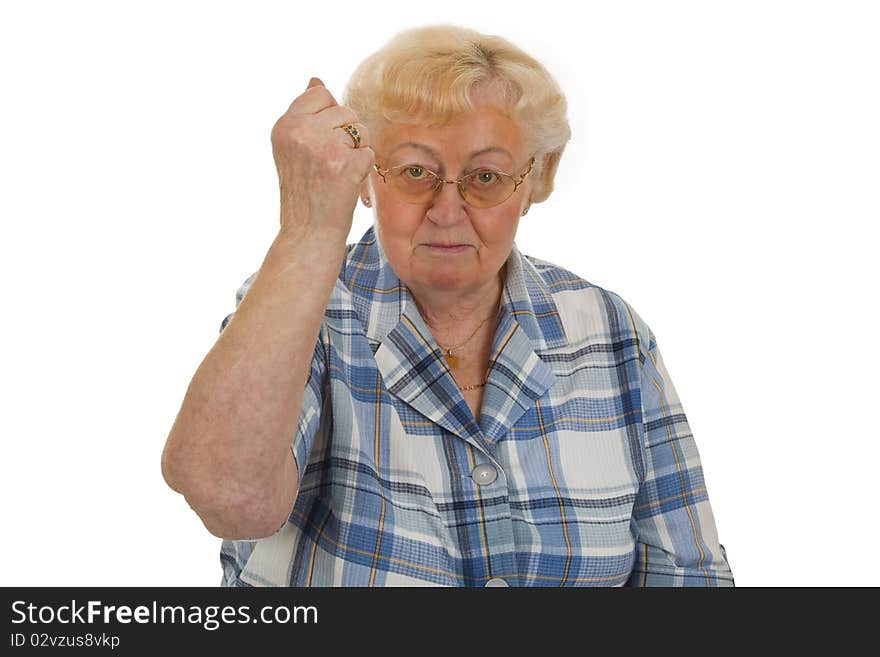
320,172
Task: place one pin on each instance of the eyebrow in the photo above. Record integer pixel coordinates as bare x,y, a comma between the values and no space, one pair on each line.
430,150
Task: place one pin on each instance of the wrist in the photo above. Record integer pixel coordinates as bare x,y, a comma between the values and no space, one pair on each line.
322,225
318,237
313,249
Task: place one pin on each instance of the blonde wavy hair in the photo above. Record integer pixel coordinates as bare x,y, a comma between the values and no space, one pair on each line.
424,75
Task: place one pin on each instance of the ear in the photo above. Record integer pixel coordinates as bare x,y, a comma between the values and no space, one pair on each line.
544,185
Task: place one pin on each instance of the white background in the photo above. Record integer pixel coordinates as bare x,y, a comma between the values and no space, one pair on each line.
722,177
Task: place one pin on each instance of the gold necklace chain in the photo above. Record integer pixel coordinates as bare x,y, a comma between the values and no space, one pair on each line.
451,359
448,352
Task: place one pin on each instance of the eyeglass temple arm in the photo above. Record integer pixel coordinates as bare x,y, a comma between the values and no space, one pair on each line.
523,176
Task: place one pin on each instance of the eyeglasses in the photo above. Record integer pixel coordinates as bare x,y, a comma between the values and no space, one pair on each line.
482,188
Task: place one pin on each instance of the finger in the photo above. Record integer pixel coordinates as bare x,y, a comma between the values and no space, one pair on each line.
348,139
367,158
315,98
312,100
337,115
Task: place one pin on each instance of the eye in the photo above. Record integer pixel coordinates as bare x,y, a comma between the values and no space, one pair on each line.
485,177
414,172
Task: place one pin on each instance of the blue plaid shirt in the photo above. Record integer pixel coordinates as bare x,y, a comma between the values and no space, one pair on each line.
581,471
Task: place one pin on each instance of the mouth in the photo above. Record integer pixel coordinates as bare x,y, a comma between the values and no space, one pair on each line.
448,249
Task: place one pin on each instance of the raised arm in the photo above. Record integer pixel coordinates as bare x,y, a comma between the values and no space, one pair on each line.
229,450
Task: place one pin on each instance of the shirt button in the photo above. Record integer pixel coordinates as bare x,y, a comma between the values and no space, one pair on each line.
484,474
496,581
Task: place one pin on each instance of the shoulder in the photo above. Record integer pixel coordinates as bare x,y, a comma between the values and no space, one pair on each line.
589,311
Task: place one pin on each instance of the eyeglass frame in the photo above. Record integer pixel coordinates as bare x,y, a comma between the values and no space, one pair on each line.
459,181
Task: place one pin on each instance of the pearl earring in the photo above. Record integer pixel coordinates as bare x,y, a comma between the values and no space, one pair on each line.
367,202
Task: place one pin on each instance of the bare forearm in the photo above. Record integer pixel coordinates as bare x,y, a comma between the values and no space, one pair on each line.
229,452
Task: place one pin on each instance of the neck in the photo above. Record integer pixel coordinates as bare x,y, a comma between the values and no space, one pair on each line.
454,313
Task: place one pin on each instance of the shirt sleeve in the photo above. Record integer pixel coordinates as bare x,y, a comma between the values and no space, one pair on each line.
676,538
306,430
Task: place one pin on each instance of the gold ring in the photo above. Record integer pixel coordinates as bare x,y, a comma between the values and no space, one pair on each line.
353,133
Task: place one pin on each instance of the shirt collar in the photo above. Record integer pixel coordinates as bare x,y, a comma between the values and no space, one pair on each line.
411,363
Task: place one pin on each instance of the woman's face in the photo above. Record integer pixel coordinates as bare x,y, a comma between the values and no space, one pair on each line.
408,231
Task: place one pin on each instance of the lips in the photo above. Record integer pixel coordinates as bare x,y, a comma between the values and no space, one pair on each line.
447,248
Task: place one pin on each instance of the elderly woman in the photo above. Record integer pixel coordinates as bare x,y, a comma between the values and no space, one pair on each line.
429,406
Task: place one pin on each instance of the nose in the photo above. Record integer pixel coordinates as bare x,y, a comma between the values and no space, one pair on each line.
448,207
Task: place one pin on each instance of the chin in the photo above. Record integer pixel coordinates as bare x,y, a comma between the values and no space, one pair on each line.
444,277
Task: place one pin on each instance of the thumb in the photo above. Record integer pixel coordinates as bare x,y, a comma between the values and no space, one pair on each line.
313,82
